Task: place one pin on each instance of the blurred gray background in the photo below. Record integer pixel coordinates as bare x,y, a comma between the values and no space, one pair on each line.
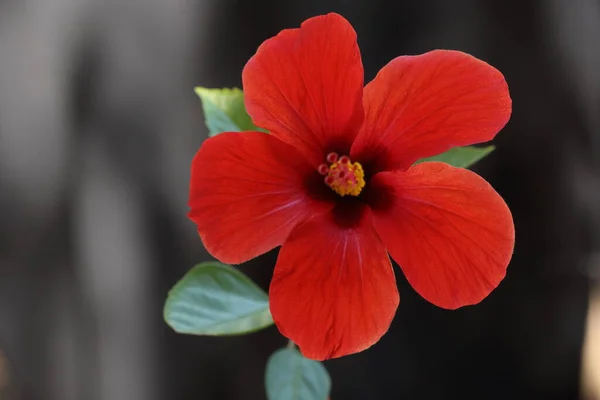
98,125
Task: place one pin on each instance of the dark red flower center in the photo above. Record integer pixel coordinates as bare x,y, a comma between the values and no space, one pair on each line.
342,175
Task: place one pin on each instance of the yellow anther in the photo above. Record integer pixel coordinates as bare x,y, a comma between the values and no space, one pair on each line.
345,177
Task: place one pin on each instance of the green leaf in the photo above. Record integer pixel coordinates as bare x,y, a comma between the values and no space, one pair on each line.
224,110
216,299
462,157
290,376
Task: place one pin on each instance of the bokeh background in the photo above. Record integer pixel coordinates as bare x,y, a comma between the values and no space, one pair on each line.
99,123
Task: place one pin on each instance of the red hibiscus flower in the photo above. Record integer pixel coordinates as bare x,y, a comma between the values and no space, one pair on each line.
334,184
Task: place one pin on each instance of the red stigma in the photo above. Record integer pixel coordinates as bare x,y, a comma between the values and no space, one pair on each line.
332,157
323,169
344,159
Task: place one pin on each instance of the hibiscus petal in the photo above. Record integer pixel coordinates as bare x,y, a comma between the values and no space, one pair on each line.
333,290
305,86
450,232
421,106
248,191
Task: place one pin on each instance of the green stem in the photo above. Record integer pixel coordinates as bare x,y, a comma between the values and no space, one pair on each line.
291,345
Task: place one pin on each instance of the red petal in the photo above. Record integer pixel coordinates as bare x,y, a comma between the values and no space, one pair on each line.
333,291
247,193
305,86
421,106
450,232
